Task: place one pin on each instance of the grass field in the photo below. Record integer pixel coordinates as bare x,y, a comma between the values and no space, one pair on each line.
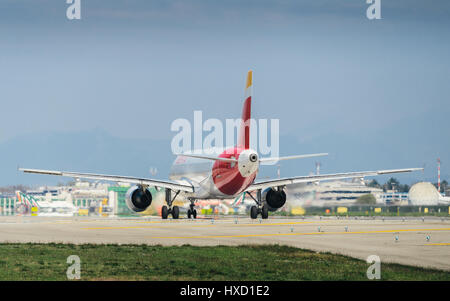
141,262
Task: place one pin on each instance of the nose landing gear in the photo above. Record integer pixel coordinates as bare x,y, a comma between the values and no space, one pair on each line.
260,208
192,212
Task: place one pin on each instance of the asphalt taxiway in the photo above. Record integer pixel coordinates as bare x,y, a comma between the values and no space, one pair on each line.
411,241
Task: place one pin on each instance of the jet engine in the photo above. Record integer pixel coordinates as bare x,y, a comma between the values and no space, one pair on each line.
275,199
138,199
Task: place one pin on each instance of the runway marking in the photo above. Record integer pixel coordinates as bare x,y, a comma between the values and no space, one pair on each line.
277,224
296,234
152,222
193,225
128,227
439,244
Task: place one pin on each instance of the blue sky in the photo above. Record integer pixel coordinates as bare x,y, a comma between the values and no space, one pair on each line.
129,68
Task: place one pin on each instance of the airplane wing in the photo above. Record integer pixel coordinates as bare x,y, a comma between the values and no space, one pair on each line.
131,180
336,176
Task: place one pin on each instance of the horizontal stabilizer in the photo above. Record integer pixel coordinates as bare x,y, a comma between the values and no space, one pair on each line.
272,159
209,158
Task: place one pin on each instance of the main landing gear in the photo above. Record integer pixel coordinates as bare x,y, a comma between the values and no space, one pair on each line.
165,211
192,212
260,208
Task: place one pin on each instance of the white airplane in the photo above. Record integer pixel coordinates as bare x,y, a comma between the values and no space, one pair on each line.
218,177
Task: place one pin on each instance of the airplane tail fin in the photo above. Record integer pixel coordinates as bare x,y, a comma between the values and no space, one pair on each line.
244,132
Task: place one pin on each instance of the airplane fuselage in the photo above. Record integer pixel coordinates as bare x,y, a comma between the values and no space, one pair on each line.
217,179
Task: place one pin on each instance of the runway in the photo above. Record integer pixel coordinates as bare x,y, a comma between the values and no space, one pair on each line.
412,241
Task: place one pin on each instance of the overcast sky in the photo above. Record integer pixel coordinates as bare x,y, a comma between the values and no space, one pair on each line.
131,67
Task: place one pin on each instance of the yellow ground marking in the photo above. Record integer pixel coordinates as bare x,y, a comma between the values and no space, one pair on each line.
149,222
304,233
167,225
279,224
69,222
120,227
439,244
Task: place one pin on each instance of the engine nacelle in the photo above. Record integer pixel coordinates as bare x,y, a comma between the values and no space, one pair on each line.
138,199
275,199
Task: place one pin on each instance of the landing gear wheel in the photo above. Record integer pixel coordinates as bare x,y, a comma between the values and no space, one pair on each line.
175,212
254,212
264,212
192,212
164,212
